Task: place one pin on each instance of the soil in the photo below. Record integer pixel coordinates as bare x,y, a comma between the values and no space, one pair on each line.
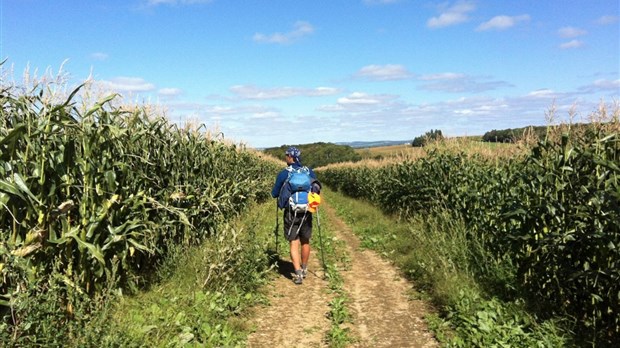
382,310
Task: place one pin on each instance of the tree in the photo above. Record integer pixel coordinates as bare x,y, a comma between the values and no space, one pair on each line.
432,135
512,135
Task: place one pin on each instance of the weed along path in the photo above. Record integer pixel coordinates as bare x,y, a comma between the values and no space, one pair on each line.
379,311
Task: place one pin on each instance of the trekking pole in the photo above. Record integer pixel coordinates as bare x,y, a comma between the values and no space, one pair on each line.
275,231
318,222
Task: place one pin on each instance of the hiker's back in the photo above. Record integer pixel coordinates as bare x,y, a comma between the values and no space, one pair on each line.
295,190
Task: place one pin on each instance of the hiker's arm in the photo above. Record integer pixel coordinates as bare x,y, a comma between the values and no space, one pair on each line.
316,184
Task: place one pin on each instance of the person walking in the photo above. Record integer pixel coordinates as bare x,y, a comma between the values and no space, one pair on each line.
297,223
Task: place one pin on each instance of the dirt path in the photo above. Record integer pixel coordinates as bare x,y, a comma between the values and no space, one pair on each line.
383,314
295,316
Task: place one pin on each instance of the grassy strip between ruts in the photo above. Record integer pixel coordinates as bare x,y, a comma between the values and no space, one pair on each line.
339,335
433,251
203,294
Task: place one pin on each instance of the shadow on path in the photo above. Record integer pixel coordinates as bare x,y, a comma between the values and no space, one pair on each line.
285,268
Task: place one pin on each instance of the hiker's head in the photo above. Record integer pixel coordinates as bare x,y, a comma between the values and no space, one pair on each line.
293,155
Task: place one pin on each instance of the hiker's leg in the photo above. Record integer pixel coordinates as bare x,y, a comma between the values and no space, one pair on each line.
305,250
295,254
291,234
305,234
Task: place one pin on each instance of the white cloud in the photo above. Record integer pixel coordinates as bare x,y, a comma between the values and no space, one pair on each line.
170,92
571,32
366,116
387,72
267,115
127,84
606,20
442,76
602,85
452,15
357,102
542,93
568,33
358,98
300,29
372,116
362,116
571,44
240,110
99,56
502,22
253,92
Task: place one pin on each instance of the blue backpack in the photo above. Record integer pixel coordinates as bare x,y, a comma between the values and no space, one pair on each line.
295,190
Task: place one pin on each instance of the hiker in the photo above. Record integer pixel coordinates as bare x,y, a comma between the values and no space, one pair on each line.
297,213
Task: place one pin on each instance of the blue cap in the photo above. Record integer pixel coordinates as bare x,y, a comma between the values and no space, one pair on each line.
293,152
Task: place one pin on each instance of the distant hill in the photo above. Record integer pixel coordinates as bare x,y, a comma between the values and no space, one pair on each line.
378,143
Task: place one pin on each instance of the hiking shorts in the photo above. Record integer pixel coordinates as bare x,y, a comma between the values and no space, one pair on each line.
297,225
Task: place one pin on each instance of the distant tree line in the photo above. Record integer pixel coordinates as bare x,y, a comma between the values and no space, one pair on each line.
512,135
319,154
509,135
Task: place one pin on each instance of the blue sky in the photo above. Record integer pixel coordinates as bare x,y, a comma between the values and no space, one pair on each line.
269,73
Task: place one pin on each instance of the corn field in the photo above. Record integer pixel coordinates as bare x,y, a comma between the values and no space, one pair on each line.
553,216
93,198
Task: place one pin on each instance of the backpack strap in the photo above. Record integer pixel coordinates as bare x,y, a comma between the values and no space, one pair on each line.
283,201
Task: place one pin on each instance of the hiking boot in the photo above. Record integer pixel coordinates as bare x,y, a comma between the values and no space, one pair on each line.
304,273
298,279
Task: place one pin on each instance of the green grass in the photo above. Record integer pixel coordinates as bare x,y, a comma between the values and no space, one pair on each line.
204,292
387,151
